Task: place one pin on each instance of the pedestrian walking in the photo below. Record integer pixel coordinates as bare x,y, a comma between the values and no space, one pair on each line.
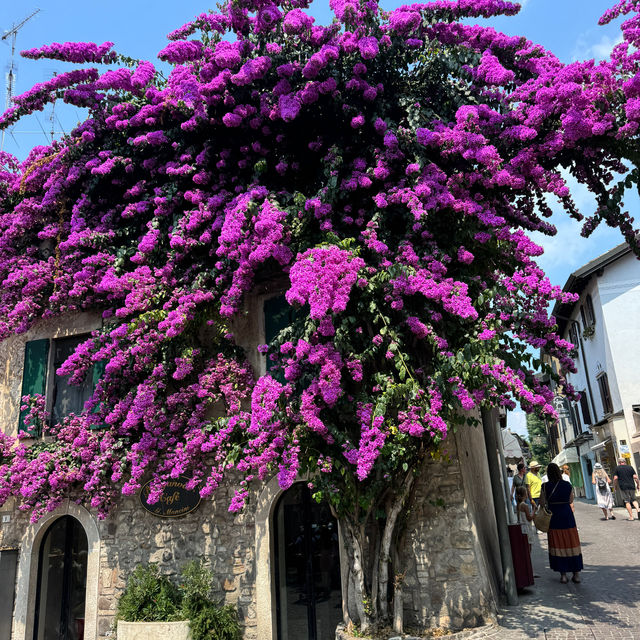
626,479
533,481
565,554
600,480
519,480
566,475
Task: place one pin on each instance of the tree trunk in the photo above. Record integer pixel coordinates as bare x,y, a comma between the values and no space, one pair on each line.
385,547
354,545
398,605
374,553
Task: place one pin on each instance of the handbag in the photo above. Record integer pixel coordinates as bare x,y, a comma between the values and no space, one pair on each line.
542,517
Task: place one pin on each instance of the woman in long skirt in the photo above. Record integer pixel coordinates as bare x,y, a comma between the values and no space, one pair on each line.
565,555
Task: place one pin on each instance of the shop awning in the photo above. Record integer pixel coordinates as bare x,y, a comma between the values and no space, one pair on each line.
600,445
510,445
566,456
580,439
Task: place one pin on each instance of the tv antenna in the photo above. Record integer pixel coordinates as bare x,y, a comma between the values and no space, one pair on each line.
11,76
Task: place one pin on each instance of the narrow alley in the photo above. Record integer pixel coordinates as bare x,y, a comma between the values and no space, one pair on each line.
603,606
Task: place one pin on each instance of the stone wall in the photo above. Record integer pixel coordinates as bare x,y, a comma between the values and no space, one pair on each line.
131,536
451,540
448,583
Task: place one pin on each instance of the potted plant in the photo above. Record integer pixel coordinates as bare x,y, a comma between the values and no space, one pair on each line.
152,607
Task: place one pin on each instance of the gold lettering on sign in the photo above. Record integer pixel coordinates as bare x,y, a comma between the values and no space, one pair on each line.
176,500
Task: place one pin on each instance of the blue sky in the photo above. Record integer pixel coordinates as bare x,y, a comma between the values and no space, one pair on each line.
138,28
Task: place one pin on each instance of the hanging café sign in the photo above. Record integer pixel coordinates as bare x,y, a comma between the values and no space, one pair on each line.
175,501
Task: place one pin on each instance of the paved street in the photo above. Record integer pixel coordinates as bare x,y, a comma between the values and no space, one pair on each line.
604,605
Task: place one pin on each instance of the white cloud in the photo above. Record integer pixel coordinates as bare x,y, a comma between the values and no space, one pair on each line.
517,423
586,49
568,250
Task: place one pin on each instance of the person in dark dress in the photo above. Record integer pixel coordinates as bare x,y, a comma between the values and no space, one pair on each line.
565,554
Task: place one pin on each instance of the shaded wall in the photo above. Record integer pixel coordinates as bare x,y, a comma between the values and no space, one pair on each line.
452,539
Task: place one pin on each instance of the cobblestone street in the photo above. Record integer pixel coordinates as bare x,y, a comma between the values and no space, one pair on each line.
604,605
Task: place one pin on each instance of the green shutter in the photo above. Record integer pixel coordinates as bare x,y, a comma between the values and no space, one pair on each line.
98,372
34,377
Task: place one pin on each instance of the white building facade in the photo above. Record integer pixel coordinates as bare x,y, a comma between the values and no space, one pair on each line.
604,324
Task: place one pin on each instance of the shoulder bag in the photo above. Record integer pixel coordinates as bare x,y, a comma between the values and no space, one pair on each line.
542,519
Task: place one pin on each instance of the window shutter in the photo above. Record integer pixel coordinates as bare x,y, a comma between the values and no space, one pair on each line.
34,377
605,393
98,372
590,313
584,405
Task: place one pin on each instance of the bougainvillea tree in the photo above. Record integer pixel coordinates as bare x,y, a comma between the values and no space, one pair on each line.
381,172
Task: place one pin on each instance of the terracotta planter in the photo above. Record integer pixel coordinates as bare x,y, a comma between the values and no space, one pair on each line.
153,630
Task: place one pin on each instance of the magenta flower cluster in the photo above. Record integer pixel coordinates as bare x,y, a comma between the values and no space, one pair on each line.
323,278
330,165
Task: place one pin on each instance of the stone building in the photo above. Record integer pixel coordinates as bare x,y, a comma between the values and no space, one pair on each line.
281,561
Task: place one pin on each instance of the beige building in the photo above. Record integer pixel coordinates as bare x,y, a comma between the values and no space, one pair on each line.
280,562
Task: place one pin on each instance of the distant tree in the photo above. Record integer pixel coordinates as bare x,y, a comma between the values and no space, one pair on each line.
538,440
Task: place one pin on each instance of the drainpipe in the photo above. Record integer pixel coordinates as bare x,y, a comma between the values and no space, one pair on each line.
593,404
495,474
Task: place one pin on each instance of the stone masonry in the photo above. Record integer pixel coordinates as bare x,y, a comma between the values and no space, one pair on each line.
450,542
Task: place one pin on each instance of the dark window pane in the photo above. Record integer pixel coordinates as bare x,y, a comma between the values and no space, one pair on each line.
589,312
278,315
584,405
576,420
68,398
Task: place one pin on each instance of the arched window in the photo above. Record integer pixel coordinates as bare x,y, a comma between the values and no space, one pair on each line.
62,580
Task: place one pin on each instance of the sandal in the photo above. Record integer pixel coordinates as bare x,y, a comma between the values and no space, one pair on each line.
576,580
563,579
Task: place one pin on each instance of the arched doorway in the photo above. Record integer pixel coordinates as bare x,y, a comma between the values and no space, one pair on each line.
62,580
307,565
